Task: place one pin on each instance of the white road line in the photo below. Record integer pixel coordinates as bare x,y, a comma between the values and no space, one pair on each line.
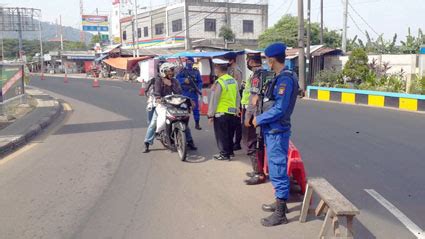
409,224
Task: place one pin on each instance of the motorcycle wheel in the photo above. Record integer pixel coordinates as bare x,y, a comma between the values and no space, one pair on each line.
181,144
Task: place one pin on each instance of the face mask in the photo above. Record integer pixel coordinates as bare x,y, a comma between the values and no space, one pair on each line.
270,64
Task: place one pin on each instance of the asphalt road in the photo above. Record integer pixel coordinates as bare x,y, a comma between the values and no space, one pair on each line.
88,179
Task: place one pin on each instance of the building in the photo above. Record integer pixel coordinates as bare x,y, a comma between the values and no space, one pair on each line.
165,26
120,9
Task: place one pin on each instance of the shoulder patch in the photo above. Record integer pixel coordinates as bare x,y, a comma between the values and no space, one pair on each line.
255,82
282,89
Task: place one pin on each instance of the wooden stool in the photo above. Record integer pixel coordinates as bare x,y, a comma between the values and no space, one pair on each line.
339,211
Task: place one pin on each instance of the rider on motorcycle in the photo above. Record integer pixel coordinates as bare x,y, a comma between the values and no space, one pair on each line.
166,85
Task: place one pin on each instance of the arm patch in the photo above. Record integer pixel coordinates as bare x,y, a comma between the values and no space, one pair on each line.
282,89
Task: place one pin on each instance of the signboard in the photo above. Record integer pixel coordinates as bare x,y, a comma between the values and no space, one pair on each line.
94,23
11,81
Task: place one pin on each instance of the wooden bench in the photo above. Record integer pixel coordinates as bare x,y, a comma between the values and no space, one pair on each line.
339,211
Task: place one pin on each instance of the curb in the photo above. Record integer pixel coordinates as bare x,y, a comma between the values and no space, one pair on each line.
14,142
379,99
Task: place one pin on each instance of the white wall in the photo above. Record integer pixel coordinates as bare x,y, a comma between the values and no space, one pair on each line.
397,62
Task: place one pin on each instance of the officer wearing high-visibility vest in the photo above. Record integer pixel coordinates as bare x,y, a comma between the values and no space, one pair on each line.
280,98
223,109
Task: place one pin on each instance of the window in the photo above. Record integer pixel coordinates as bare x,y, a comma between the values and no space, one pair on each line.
210,25
124,35
159,29
139,32
248,26
177,25
145,31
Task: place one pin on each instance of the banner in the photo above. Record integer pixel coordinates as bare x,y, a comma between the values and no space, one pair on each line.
12,81
94,23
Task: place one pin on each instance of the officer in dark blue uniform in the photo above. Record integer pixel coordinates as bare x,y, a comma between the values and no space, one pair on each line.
279,102
191,83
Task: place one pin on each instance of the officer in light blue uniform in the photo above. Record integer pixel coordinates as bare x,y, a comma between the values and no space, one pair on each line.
279,102
191,83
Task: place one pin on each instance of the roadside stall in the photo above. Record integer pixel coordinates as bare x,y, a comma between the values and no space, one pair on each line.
126,67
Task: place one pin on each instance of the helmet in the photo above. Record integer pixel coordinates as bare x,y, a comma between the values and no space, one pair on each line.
165,67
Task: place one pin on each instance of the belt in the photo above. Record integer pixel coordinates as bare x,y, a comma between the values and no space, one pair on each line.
218,115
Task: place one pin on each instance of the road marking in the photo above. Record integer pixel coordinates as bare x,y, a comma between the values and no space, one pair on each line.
39,138
409,224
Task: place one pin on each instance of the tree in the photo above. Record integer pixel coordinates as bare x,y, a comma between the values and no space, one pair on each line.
412,44
357,68
286,30
227,34
378,46
32,47
95,39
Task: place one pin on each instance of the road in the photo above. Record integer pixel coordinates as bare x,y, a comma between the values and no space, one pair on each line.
88,179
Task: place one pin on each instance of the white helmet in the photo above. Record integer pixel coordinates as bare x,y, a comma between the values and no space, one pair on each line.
166,67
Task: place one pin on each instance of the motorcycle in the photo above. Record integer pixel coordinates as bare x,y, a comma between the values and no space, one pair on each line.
177,115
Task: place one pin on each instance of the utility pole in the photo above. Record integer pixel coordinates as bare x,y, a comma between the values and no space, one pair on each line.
60,31
2,48
82,35
301,56
188,45
20,34
41,47
308,55
136,36
98,30
321,22
344,33
61,51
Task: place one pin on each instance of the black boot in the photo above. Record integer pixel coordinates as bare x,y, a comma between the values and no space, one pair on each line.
278,217
191,145
197,126
146,148
272,207
257,179
237,147
250,174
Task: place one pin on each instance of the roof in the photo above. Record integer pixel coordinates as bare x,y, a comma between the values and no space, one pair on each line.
108,48
205,54
151,52
315,50
124,63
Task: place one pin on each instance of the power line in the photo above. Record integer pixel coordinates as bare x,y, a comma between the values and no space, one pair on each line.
355,23
281,5
358,14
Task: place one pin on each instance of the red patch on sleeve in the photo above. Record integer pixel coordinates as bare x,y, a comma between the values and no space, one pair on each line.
255,82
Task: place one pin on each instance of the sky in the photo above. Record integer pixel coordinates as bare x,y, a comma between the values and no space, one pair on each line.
380,16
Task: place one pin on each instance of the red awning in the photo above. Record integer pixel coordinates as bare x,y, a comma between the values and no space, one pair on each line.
125,63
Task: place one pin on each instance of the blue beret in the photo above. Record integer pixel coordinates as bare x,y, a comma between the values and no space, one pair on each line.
230,56
190,59
275,49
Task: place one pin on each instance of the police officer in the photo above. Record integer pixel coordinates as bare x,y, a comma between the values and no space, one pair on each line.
191,84
223,108
236,72
275,122
250,98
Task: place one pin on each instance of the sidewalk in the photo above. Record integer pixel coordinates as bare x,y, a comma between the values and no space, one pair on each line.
24,129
